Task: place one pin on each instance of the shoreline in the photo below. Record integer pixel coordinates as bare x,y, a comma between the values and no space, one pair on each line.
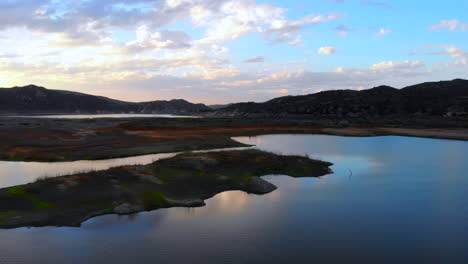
56,140
185,180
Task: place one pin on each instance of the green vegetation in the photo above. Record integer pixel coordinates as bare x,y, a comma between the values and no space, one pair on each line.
108,210
41,204
153,199
6,216
21,191
17,190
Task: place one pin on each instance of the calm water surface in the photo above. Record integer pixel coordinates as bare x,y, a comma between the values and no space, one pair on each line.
390,200
14,173
103,116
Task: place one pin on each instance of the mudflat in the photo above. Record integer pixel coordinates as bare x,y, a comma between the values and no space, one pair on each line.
33,139
184,180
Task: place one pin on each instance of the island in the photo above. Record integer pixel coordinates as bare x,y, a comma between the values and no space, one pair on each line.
185,180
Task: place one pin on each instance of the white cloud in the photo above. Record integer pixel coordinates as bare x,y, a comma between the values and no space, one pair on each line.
327,50
340,69
451,25
147,40
158,61
47,28
459,55
78,23
397,65
215,81
219,50
383,32
281,30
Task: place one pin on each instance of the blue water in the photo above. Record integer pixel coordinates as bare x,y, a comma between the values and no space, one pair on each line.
94,116
389,200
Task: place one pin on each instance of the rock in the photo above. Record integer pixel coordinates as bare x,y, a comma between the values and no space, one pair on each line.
127,208
187,203
259,186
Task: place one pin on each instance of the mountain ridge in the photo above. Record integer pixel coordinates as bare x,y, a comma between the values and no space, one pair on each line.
33,99
444,98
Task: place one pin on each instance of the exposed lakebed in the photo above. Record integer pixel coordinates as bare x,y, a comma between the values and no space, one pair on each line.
88,116
390,200
185,180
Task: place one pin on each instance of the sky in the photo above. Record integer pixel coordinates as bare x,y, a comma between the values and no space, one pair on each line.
224,51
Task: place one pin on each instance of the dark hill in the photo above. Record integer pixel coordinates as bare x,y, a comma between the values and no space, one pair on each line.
33,99
446,98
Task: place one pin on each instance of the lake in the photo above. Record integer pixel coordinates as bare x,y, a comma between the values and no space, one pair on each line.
390,200
103,116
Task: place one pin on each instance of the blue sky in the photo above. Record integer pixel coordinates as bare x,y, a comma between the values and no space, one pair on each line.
221,51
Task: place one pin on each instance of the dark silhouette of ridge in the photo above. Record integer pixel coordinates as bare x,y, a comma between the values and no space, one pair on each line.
445,98
32,99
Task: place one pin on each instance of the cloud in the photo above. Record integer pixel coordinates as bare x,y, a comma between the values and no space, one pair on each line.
401,65
277,92
219,50
342,30
91,22
451,25
46,29
285,31
327,50
458,54
256,59
175,48
9,55
383,32
164,39
212,82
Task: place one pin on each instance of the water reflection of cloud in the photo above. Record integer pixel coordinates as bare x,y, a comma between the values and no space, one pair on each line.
347,153
229,202
420,192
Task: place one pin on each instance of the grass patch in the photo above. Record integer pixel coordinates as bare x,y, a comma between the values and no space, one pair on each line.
6,216
16,190
42,205
108,210
164,173
203,174
153,199
21,191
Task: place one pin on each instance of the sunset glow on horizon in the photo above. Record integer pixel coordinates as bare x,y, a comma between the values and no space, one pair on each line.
223,51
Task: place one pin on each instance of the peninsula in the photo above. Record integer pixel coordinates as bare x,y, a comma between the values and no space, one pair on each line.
184,180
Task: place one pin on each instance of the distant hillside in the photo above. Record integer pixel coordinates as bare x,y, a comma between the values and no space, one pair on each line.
218,106
446,98
33,99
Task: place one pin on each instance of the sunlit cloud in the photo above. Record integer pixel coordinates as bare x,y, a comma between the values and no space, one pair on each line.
383,32
327,50
451,25
212,51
